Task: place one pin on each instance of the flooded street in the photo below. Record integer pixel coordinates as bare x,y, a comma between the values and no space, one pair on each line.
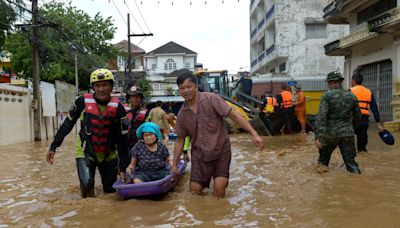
278,187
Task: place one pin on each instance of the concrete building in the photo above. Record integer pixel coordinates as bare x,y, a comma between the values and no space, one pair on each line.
287,39
119,66
162,62
373,47
6,72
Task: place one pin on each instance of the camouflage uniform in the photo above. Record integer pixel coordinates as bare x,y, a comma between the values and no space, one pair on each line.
334,126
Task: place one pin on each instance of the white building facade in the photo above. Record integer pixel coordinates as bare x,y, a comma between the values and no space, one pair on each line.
287,39
372,47
161,63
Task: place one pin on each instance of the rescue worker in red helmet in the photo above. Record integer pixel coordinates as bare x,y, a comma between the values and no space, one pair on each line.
104,131
136,113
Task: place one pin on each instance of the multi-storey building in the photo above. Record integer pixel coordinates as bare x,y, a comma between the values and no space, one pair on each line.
119,66
287,39
373,47
162,63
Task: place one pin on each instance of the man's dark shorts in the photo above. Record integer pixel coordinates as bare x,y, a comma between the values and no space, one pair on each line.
203,171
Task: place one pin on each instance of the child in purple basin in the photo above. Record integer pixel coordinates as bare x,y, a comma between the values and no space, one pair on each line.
150,157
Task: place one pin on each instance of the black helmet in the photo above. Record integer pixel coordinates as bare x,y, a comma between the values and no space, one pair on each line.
334,76
133,91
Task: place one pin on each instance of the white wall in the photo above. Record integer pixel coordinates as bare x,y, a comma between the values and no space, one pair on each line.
306,57
15,106
378,49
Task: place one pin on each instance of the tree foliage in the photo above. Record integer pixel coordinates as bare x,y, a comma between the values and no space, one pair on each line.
68,31
7,18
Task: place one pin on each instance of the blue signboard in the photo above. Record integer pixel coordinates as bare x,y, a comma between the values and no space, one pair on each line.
292,83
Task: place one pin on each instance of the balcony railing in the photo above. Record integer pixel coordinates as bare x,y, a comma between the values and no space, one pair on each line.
261,56
270,13
376,23
260,24
270,50
253,63
333,7
356,37
253,33
332,46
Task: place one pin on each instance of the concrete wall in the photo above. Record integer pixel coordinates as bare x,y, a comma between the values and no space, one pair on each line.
306,57
15,117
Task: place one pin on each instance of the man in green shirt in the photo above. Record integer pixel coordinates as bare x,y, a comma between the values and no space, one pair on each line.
334,124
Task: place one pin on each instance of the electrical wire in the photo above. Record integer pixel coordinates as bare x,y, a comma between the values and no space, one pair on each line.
122,17
134,18
140,12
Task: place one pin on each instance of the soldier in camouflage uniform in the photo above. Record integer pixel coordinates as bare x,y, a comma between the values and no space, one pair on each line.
334,124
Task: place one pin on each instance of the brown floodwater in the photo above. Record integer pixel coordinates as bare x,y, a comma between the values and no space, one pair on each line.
277,187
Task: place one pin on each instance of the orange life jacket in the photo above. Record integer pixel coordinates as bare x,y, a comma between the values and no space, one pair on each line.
364,96
286,99
99,125
270,104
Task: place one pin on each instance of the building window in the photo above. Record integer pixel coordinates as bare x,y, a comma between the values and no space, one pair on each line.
316,31
187,65
120,62
375,9
153,66
272,70
170,65
282,67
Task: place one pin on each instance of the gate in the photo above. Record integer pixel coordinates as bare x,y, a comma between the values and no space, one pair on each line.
378,78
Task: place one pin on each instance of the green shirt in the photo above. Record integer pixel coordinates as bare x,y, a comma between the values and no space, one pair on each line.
337,112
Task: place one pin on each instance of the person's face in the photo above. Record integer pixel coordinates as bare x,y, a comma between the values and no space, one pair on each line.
149,138
188,90
353,83
135,101
103,90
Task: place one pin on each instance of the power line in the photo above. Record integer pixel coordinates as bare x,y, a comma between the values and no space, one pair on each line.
142,16
133,15
122,17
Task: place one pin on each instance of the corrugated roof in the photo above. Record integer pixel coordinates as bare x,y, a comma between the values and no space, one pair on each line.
171,47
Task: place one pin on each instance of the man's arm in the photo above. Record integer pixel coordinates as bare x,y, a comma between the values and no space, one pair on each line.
243,123
178,148
122,138
73,115
322,118
375,111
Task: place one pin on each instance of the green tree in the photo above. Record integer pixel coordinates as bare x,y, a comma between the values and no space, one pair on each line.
7,18
69,30
145,86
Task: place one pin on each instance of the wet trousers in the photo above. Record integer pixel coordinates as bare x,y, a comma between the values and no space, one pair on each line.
86,170
288,116
346,145
361,130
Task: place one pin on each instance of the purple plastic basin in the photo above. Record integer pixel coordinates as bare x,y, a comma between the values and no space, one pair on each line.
150,188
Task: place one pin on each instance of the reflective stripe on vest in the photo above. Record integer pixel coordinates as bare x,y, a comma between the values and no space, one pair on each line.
364,96
271,103
286,99
100,123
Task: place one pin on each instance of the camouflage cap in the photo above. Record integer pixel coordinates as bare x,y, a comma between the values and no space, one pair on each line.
334,76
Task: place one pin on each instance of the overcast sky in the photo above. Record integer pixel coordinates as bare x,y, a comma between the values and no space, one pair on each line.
218,33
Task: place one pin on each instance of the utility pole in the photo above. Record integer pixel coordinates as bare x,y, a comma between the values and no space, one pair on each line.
76,73
37,107
129,46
